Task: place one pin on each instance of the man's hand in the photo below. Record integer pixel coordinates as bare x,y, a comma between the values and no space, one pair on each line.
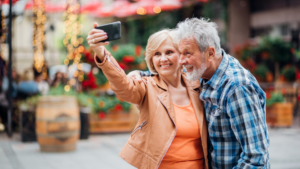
135,75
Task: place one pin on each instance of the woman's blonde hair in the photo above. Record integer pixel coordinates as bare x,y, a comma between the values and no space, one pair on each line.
154,41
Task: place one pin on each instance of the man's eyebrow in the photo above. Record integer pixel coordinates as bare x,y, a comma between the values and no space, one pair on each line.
186,48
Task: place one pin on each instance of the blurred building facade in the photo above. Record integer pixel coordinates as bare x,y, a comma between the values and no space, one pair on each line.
22,37
251,19
238,21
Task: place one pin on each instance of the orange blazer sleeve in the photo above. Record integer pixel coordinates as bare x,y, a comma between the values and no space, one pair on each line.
125,88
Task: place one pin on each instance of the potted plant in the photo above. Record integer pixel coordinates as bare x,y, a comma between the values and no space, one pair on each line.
289,73
261,72
278,112
86,107
27,118
112,115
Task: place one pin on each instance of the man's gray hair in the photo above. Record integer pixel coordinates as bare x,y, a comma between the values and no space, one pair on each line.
204,32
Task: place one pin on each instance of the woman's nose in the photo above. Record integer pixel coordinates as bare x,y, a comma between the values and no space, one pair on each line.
164,57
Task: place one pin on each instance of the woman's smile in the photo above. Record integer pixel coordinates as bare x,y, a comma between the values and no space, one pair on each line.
165,66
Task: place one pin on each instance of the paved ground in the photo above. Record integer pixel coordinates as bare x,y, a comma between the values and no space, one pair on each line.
101,152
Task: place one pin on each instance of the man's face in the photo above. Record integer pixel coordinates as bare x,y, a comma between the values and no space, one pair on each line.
192,59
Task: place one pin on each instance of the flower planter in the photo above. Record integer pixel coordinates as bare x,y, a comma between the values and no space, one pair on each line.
280,115
57,123
114,122
27,125
84,122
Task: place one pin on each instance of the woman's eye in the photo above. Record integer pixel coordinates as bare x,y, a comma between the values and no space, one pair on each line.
169,52
157,53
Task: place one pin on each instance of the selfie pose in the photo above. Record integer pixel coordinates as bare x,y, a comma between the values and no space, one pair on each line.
235,105
171,132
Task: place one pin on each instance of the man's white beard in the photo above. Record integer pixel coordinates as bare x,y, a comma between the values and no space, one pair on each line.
196,74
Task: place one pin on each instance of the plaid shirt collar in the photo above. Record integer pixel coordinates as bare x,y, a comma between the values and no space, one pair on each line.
215,79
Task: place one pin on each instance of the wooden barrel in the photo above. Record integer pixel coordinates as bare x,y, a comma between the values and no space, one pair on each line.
57,123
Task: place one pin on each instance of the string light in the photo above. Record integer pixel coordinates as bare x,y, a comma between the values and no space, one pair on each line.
67,88
3,37
156,9
141,11
39,21
75,74
72,41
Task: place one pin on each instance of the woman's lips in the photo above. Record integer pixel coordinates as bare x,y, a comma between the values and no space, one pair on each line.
166,66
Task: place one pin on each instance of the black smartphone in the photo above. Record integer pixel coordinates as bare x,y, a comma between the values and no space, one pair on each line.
113,30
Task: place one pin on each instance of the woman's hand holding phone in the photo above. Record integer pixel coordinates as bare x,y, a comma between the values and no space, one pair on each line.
94,38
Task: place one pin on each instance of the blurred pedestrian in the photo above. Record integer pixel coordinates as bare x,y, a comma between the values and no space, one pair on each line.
27,87
58,79
5,83
4,92
43,86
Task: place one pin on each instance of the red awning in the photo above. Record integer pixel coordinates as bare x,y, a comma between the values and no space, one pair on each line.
49,7
123,8
7,1
118,8
90,7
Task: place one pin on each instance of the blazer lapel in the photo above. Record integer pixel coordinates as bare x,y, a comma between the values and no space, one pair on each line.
164,97
199,110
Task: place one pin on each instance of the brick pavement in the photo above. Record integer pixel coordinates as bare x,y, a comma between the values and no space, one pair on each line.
101,152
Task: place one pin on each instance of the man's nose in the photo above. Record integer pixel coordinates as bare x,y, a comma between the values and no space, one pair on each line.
182,61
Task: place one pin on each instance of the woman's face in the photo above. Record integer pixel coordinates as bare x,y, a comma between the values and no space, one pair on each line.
166,59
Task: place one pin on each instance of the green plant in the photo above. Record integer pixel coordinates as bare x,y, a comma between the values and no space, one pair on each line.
276,97
289,73
261,71
86,100
109,103
30,103
244,52
60,90
278,49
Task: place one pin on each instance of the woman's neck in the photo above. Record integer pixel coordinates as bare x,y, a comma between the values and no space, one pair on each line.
173,81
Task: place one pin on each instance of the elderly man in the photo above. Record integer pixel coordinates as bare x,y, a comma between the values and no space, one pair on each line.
234,102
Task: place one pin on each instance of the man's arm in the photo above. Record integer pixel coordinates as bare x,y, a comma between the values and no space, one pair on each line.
145,73
137,75
247,119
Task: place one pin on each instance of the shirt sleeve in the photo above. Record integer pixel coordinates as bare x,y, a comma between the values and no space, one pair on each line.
248,122
145,73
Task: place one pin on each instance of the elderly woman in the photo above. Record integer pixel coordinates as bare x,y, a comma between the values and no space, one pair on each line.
171,131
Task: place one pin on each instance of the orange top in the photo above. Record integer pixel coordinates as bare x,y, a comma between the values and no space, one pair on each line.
186,148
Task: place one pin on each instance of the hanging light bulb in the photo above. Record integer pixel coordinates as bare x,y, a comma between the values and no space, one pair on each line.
157,9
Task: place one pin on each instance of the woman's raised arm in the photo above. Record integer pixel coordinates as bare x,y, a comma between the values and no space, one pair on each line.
127,89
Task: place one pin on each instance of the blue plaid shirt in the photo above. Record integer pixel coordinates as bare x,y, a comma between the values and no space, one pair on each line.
236,118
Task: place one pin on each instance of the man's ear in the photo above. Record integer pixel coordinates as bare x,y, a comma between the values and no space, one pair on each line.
211,53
